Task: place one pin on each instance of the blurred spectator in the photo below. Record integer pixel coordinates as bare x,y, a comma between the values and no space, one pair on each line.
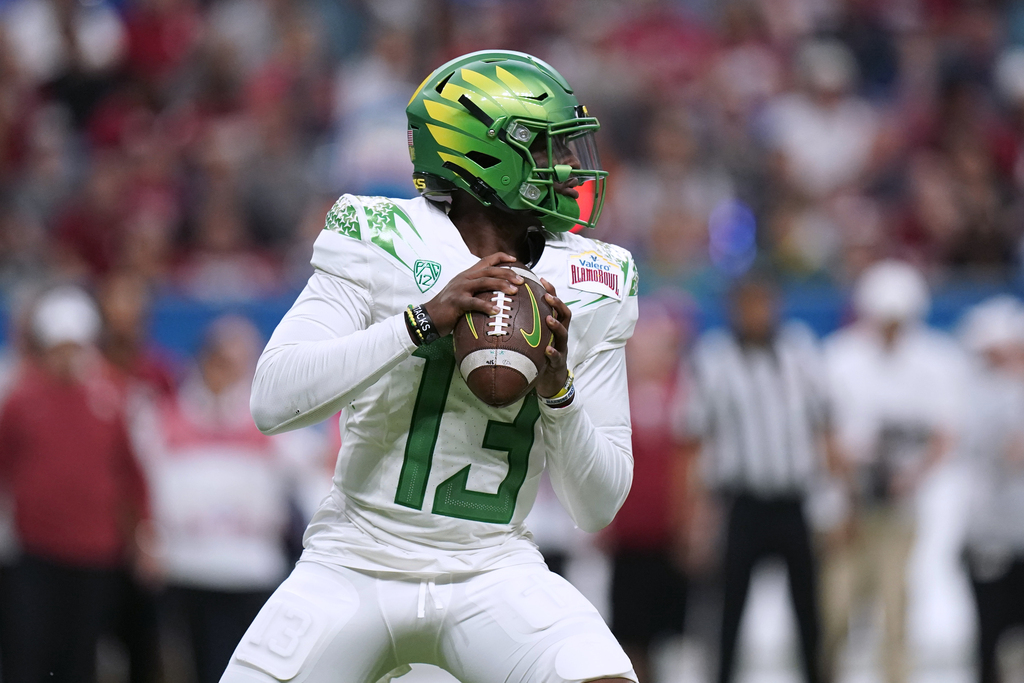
758,411
89,228
661,206
647,537
371,95
873,33
46,174
12,360
125,302
23,246
251,29
665,47
17,104
146,376
139,111
994,443
277,186
748,73
51,36
824,135
1009,77
224,266
70,47
220,500
79,495
825,141
896,389
160,37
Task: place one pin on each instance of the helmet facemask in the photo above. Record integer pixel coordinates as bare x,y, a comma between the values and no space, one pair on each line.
555,153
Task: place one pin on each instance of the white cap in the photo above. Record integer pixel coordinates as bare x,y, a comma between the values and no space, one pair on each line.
891,290
827,65
994,323
65,315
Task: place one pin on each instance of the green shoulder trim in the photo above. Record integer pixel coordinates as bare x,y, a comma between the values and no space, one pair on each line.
634,282
382,223
343,218
377,220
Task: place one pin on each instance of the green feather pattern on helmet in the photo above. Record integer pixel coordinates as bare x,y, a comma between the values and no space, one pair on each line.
471,126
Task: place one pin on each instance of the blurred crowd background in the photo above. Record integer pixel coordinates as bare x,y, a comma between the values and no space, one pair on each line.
197,142
165,166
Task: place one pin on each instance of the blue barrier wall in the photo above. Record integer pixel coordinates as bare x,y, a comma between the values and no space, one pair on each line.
178,323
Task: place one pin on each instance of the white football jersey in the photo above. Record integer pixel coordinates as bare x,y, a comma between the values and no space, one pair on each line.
429,478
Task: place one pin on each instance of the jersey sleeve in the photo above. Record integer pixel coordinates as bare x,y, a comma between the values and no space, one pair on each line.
328,348
588,443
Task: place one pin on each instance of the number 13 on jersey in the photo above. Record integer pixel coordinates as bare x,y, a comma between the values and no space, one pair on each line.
452,497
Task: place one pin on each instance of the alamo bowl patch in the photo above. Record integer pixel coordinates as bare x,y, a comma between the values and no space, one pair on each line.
591,272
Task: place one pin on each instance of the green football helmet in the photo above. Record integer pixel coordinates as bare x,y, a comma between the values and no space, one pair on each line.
477,122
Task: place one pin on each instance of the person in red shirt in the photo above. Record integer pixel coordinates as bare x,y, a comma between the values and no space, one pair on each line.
647,536
79,494
125,301
147,374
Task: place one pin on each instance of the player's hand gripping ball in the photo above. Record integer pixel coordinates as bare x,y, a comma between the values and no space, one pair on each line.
501,355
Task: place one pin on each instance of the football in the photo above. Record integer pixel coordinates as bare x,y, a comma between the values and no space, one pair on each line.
501,355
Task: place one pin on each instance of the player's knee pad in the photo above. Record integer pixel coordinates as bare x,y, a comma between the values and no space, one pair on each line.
587,657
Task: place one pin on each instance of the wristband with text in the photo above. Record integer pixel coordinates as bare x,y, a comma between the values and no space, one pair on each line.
421,326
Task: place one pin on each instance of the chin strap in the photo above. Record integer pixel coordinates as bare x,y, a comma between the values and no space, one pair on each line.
478,186
536,240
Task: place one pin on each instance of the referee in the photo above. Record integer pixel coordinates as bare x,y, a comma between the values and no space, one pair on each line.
758,415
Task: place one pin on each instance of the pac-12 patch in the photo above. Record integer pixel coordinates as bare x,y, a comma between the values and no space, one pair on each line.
426,273
591,272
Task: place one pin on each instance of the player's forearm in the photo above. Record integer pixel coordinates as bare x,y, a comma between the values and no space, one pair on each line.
303,382
591,468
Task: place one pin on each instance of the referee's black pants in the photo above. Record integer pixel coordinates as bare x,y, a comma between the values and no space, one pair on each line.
760,528
1000,604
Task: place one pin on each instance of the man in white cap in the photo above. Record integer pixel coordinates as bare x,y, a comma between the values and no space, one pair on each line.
993,444
824,136
896,387
79,494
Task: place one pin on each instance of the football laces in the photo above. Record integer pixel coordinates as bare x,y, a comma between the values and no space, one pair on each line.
499,321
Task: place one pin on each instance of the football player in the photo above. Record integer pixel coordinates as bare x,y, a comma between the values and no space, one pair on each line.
419,554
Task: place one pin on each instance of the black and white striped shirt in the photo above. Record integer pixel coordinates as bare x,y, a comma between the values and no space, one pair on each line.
758,411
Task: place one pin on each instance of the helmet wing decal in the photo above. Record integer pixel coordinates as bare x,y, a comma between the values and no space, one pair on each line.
517,86
444,113
452,139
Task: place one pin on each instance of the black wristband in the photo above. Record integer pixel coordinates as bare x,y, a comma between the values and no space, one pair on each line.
421,326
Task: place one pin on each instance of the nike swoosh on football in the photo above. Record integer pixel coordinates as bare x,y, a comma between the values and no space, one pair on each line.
533,339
